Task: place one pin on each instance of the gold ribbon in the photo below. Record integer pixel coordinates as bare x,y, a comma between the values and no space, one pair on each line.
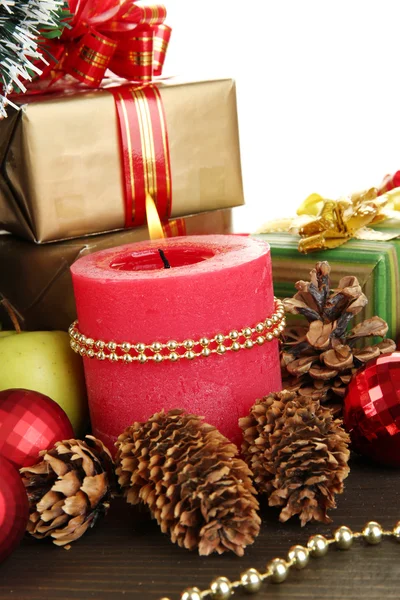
324,224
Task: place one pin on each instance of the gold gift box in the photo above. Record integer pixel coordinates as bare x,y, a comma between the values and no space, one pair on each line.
36,280
60,160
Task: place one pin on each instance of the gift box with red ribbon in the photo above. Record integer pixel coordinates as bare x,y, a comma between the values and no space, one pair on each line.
84,151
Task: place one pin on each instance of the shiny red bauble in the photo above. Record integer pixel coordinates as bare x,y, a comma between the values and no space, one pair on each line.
30,422
14,508
372,410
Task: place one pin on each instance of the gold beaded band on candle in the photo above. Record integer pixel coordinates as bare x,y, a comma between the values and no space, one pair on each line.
128,352
277,570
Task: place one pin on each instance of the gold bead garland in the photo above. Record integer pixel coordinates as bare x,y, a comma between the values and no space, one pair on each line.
298,556
158,352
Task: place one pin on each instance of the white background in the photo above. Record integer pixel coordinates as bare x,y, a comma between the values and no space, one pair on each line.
318,95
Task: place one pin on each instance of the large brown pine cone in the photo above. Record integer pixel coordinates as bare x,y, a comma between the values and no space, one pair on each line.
318,359
298,453
69,489
189,476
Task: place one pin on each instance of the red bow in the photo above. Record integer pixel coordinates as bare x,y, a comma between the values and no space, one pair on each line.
119,35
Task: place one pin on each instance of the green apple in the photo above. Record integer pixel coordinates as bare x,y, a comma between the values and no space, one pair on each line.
6,333
44,362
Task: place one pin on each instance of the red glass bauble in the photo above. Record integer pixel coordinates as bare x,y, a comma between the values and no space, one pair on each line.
372,410
14,508
30,422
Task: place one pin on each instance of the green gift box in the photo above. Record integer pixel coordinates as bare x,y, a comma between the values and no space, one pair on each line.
375,264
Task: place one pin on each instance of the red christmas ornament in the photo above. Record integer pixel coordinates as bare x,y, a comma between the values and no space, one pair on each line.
30,422
14,508
372,410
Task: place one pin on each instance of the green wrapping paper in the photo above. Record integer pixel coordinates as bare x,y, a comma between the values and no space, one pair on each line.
375,264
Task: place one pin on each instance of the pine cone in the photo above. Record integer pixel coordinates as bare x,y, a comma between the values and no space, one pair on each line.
69,489
298,452
320,358
189,476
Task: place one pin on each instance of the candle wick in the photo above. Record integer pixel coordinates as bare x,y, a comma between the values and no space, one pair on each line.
164,259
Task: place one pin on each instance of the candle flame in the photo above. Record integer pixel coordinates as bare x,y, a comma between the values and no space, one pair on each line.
153,220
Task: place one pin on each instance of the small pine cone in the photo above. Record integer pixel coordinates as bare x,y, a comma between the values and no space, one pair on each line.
320,357
69,489
189,476
298,452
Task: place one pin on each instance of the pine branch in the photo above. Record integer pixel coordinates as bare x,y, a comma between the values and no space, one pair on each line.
24,25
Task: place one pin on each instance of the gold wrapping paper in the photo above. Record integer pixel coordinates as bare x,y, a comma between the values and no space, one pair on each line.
36,279
61,171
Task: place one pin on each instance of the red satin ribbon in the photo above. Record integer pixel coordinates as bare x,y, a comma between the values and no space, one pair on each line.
131,41
389,183
119,35
174,228
144,151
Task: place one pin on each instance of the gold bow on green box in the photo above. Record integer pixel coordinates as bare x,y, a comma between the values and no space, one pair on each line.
324,224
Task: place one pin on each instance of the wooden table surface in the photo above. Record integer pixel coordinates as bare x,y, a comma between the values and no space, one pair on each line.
126,557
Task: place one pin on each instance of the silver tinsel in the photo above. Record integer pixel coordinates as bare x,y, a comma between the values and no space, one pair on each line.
21,22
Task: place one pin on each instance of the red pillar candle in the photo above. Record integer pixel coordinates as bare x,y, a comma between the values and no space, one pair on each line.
130,307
